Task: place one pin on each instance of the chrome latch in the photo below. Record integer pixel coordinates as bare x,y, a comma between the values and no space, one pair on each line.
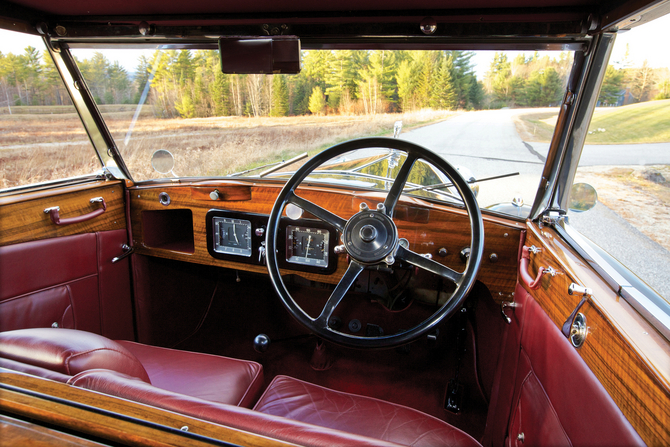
127,251
506,304
552,217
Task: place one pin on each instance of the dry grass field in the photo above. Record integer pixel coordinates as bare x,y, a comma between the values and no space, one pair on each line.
38,147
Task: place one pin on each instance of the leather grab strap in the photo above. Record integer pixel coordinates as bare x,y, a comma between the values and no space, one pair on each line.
532,284
54,213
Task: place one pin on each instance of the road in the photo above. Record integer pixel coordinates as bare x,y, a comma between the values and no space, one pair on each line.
487,144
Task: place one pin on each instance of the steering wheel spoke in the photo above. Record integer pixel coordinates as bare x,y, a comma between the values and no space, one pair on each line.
317,211
424,263
399,184
341,289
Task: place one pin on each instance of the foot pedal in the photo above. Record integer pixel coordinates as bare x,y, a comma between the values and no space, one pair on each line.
453,402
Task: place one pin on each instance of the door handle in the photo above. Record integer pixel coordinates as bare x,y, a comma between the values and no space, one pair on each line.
528,280
54,213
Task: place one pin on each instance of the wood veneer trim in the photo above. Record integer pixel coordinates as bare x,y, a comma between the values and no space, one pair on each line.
24,221
446,229
108,417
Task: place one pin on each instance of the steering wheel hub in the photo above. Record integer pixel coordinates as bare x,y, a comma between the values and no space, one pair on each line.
370,236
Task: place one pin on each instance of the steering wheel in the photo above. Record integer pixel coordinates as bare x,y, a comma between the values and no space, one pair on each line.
370,237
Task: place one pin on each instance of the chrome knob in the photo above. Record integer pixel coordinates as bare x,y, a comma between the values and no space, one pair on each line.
215,195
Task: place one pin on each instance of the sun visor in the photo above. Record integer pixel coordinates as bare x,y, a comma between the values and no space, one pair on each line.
260,55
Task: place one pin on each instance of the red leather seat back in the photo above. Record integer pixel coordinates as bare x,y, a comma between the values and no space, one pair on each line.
300,433
68,351
210,377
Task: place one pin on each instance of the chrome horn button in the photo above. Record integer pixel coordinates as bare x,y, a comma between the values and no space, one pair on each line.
370,236
368,233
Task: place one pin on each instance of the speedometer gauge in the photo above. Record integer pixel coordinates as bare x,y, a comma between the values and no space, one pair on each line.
232,236
307,246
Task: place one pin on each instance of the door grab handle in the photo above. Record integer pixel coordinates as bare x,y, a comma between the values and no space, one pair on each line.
54,213
528,280
127,251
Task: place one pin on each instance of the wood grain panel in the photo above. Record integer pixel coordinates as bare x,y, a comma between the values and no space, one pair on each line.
427,226
16,432
629,357
124,432
22,216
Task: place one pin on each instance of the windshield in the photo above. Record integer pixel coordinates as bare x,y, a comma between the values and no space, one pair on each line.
479,110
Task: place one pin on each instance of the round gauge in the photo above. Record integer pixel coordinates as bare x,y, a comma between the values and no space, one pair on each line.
307,246
232,236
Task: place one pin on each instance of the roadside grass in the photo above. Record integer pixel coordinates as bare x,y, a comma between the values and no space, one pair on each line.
41,146
646,122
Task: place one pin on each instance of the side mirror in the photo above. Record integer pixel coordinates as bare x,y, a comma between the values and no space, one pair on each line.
583,197
162,161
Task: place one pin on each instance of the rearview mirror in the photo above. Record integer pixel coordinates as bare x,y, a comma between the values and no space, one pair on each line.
260,55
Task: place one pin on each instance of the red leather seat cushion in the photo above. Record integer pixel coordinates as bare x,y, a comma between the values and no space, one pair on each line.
208,377
305,402
68,351
120,385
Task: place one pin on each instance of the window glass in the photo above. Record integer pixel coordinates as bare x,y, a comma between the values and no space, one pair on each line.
41,135
488,113
626,157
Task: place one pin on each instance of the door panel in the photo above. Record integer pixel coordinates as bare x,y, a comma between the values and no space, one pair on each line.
63,275
625,353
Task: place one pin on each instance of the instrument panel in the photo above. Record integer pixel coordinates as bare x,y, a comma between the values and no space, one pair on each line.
239,236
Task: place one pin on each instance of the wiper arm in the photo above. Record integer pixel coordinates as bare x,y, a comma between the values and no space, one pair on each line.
277,165
448,184
283,163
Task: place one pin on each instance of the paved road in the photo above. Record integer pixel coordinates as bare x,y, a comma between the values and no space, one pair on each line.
487,144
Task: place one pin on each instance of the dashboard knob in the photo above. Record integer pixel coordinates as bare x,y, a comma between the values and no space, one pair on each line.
215,195
260,231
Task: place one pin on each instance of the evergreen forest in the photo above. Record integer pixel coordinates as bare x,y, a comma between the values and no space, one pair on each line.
188,84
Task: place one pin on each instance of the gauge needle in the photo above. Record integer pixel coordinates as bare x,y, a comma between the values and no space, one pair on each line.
235,233
309,240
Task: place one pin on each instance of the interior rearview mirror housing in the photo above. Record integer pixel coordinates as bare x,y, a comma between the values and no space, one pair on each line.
242,55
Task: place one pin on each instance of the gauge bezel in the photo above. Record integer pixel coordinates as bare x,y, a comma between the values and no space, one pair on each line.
291,230
244,249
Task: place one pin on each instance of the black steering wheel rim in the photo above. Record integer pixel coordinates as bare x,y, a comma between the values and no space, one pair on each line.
463,281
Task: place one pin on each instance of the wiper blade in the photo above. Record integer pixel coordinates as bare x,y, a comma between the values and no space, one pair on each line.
276,166
448,184
283,163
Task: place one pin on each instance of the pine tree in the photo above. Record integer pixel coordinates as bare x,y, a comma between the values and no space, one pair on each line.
279,96
317,102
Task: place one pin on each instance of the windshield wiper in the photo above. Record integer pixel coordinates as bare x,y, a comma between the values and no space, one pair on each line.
449,184
275,166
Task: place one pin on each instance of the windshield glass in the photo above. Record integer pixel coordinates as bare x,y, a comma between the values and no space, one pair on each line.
479,110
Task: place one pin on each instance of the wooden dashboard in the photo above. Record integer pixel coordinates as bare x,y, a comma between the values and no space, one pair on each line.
178,229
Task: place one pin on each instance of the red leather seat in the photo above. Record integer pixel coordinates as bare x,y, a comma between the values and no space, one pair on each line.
59,354
365,416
